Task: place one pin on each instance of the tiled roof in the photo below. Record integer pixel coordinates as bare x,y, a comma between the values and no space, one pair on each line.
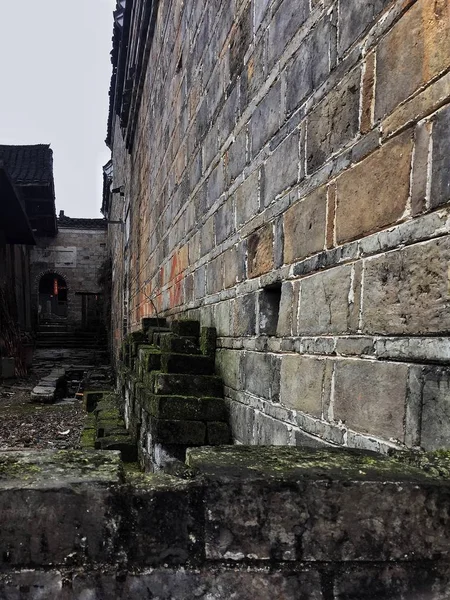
69,223
28,165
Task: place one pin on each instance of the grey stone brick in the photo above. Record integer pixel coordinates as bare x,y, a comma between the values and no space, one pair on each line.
370,396
329,293
334,122
247,199
354,17
406,291
244,322
281,169
290,15
435,432
237,155
224,221
440,183
266,118
260,374
302,381
310,66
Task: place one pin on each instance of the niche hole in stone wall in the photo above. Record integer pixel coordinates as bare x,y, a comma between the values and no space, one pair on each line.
269,309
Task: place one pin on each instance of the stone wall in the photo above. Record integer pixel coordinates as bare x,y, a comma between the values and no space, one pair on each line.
76,525
285,176
76,255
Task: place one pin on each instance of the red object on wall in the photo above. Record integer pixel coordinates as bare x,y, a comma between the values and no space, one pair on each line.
55,286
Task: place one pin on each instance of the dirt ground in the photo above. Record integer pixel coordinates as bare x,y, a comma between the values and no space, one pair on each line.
24,425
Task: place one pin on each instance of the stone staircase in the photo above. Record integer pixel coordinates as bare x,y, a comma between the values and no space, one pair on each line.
171,398
58,336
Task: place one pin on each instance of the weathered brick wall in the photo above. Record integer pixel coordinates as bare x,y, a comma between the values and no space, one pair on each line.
301,144
75,254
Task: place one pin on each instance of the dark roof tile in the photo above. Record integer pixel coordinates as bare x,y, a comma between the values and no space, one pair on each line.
27,165
68,222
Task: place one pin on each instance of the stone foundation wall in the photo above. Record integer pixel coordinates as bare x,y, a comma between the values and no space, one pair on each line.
286,180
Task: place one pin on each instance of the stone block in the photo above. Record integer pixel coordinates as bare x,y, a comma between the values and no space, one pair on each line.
36,585
411,54
310,66
223,319
355,16
247,199
240,38
370,397
406,292
187,433
206,584
288,310
318,490
288,18
244,317
176,408
281,169
334,122
302,383
260,374
435,430
230,267
187,363
54,506
163,520
171,384
218,433
45,395
227,366
393,581
224,221
270,432
329,302
208,341
260,251
237,155
173,343
122,443
374,193
305,225
440,178
266,118
186,327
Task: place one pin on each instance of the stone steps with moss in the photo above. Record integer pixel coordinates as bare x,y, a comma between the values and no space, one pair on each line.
173,398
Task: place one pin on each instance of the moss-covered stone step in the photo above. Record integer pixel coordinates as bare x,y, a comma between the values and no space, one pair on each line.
180,345
177,384
123,443
186,327
148,322
187,363
185,433
208,341
149,360
184,407
218,433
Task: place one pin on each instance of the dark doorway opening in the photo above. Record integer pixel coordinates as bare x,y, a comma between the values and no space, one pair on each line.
52,297
91,310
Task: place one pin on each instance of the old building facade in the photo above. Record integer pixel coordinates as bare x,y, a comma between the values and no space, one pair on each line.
49,267
280,172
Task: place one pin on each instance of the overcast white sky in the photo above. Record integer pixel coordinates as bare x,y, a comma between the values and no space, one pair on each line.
54,79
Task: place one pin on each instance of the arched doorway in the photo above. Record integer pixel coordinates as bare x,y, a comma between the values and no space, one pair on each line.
52,296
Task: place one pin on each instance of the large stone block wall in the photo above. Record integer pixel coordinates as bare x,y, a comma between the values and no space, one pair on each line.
288,184
75,254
